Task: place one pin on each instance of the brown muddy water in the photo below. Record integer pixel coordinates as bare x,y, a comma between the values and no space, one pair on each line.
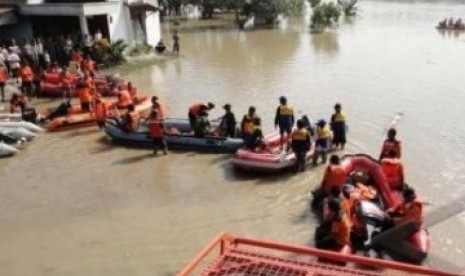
71,204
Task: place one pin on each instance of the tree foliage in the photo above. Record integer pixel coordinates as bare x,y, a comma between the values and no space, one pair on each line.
348,7
324,16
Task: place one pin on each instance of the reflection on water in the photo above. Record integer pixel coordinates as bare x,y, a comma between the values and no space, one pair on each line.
72,204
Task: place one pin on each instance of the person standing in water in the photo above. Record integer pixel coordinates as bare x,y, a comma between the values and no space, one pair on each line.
157,132
176,46
391,144
300,145
338,126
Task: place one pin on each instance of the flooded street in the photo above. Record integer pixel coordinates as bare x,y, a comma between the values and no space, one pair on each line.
72,204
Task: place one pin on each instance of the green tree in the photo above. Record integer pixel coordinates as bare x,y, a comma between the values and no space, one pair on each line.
324,15
348,7
270,9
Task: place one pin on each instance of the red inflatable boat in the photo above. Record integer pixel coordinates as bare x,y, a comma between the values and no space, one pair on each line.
270,159
50,86
420,240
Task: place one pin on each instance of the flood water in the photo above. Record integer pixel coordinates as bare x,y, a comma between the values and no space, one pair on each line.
71,204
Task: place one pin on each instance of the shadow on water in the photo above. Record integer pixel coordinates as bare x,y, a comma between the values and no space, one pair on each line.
326,43
81,132
136,159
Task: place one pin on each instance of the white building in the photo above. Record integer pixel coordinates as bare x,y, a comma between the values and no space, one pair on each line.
135,21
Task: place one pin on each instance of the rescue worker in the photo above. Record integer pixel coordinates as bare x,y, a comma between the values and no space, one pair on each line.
202,125
411,210
195,109
247,126
124,98
300,145
85,96
338,126
132,91
322,143
257,135
62,110
335,175
3,79
284,119
89,66
27,76
131,119
391,143
157,132
100,110
228,122
157,105
393,169
65,82
89,81
334,232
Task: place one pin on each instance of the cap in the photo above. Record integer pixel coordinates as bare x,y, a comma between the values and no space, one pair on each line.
321,122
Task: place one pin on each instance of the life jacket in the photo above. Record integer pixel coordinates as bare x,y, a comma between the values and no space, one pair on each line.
347,204
393,169
412,212
335,175
124,99
100,111
248,126
323,132
195,108
391,145
340,229
286,114
3,76
155,128
85,95
300,135
300,140
26,74
365,192
339,117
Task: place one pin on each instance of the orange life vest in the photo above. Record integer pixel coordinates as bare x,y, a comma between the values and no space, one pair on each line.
248,125
3,75
26,74
335,175
391,145
155,128
85,95
394,171
65,79
124,99
100,111
195,108
340,230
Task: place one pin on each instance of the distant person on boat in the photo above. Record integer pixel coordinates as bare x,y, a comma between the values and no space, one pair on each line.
257,140
228,122
338,126
63,109
131,119
3,79
458,24
160,48
124,98
301,144
308,125
157,132
334,232
442,24
284,118
196,109
322,143
394,170
335,175
451,22
411,210
176,46
202,125
85,95
247,126
100,110
27,76
157,105
391,144
65,83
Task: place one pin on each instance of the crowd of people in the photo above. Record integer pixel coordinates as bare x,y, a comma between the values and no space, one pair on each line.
451,24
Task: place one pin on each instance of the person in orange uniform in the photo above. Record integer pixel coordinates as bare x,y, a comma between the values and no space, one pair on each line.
27,76
65,82
85,96
391,143
100,110
124,98
89,81
132,91
334,232
393,169
131,119
334,175
195,109
157,132
247,126
411,210
3,79
89,65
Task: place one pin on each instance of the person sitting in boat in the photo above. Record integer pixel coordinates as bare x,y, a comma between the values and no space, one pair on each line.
196,109
284,118
85,95
131,120
202,125
334,232
458,24
394,170
308,125
322,143
228,122
450,23
157,131
301,144
442,24
62,110
411,209
247,126
391,143
257,140
335,175
124,98
161,47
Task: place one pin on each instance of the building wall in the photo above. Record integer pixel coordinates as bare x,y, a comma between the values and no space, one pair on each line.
20,31
152,25
119,24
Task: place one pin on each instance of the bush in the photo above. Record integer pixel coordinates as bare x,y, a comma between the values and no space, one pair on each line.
140,49
324,16
106,53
